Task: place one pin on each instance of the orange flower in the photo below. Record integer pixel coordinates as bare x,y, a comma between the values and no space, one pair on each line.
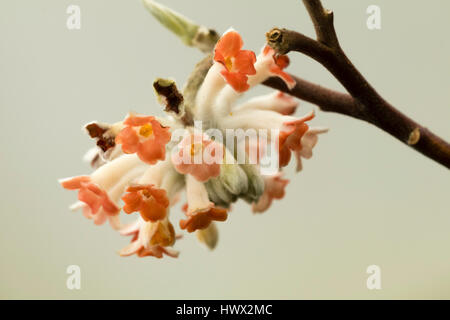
199,157
150,201
144,136
273,189
201,220
91,194
278,63
290,139
238,64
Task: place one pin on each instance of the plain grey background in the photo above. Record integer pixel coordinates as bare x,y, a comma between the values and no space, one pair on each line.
363,199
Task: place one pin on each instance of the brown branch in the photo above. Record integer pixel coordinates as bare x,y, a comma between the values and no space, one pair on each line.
367,104
326,99
323,22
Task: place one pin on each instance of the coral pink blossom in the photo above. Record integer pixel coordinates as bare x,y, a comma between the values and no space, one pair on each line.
273,189
150,201
279,63
144,136
100,217
91,194
290,138
238,64
199,157
201,220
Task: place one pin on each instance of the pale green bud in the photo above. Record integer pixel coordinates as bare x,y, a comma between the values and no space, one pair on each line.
232,176
218,193
255,182
209,236
188,31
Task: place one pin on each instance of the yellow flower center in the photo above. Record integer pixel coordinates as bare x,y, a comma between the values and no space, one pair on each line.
146,130
146,193
195,148
163,234
228,63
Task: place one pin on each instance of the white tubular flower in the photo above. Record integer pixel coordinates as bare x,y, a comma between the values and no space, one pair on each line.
254,119
207,94
275,101
309,140
114,195
267,65
197,196
94,190
200,211
232,65
273,189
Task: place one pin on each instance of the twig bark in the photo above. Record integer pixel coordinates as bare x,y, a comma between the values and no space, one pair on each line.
326,99
365,103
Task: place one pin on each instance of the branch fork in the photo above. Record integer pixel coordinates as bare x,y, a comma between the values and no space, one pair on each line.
363,101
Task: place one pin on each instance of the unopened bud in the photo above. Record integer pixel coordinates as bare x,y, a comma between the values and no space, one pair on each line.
208,236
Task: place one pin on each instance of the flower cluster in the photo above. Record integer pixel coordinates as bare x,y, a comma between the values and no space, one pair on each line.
143,169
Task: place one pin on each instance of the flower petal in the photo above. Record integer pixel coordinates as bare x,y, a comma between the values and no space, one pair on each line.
151,151
137,121
109,206
91,195
238,81
277,71
129,140
199,157
74,182
131,249
273,189
132,201
162,133
202,220
151,210
228,45
244,62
